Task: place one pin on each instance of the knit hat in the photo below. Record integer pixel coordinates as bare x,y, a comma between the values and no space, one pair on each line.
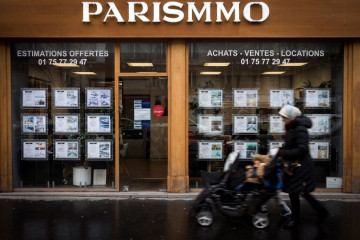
290,112
261,158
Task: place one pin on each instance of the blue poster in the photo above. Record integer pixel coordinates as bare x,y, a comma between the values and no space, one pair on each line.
142,114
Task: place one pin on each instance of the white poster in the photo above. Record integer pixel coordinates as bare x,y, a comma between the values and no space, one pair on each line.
210,150
317,98
98,97
245,98
34,124
66,124
66,149
245,124
319,150
142,114
98,124
320,124
281,97
210,98
34,98
275,144
208,124
98,149
277,125
246,150
34,150
66,98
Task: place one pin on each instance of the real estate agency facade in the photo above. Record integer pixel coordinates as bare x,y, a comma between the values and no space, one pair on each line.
100,95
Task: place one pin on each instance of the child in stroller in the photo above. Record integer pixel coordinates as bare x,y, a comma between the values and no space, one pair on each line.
255,174
238,200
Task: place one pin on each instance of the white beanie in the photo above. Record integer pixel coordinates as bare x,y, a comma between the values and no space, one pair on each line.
290,112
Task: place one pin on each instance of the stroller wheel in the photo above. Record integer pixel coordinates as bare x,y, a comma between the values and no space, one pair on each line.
260,221
204,218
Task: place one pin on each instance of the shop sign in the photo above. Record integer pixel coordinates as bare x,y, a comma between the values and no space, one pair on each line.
158,111
174,12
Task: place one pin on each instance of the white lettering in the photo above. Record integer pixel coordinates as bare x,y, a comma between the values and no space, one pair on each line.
140,15
192,9
259,53
86,10
115,13
265,11
156,17
173,12
302,53
168,10
221,9
222,53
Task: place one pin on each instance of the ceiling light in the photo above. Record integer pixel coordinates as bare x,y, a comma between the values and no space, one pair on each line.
85,73
65,65
293,64
219,64
140,64
273,73
210,73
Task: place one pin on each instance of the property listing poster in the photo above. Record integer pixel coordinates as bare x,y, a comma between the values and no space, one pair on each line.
246,149
34,124
34,150
320,124
209,124
66,123
275,144
66,98
98,97
66,150
210,150
245,98
98,124
281,97
210,98
319,150
34,98
245,124
277,125
142,114
98,150
317,98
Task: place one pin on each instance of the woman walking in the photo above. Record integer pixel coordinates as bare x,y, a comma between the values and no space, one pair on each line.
299,180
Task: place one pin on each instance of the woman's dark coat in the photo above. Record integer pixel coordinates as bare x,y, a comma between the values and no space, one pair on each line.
297,149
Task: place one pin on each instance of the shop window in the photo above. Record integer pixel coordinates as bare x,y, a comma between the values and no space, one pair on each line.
237,89
63,115
143,57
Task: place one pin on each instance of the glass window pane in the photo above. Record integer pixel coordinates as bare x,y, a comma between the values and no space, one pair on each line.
143,57
143,133
62,97
237,89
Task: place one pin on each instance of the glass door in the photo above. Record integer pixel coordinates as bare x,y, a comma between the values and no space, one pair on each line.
143,133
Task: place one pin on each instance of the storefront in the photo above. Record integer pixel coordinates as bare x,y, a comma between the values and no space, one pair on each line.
112,96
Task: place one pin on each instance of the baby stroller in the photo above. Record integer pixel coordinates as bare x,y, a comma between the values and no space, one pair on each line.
225,198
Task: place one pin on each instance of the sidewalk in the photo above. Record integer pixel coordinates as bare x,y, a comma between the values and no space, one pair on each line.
144,195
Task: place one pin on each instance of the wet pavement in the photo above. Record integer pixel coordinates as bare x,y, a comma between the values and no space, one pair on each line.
160,219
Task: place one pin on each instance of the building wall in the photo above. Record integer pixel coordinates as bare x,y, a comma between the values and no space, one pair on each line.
287,19
297,18
5,120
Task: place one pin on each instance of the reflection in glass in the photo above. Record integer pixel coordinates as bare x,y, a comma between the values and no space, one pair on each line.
61,70
143,57
277,74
